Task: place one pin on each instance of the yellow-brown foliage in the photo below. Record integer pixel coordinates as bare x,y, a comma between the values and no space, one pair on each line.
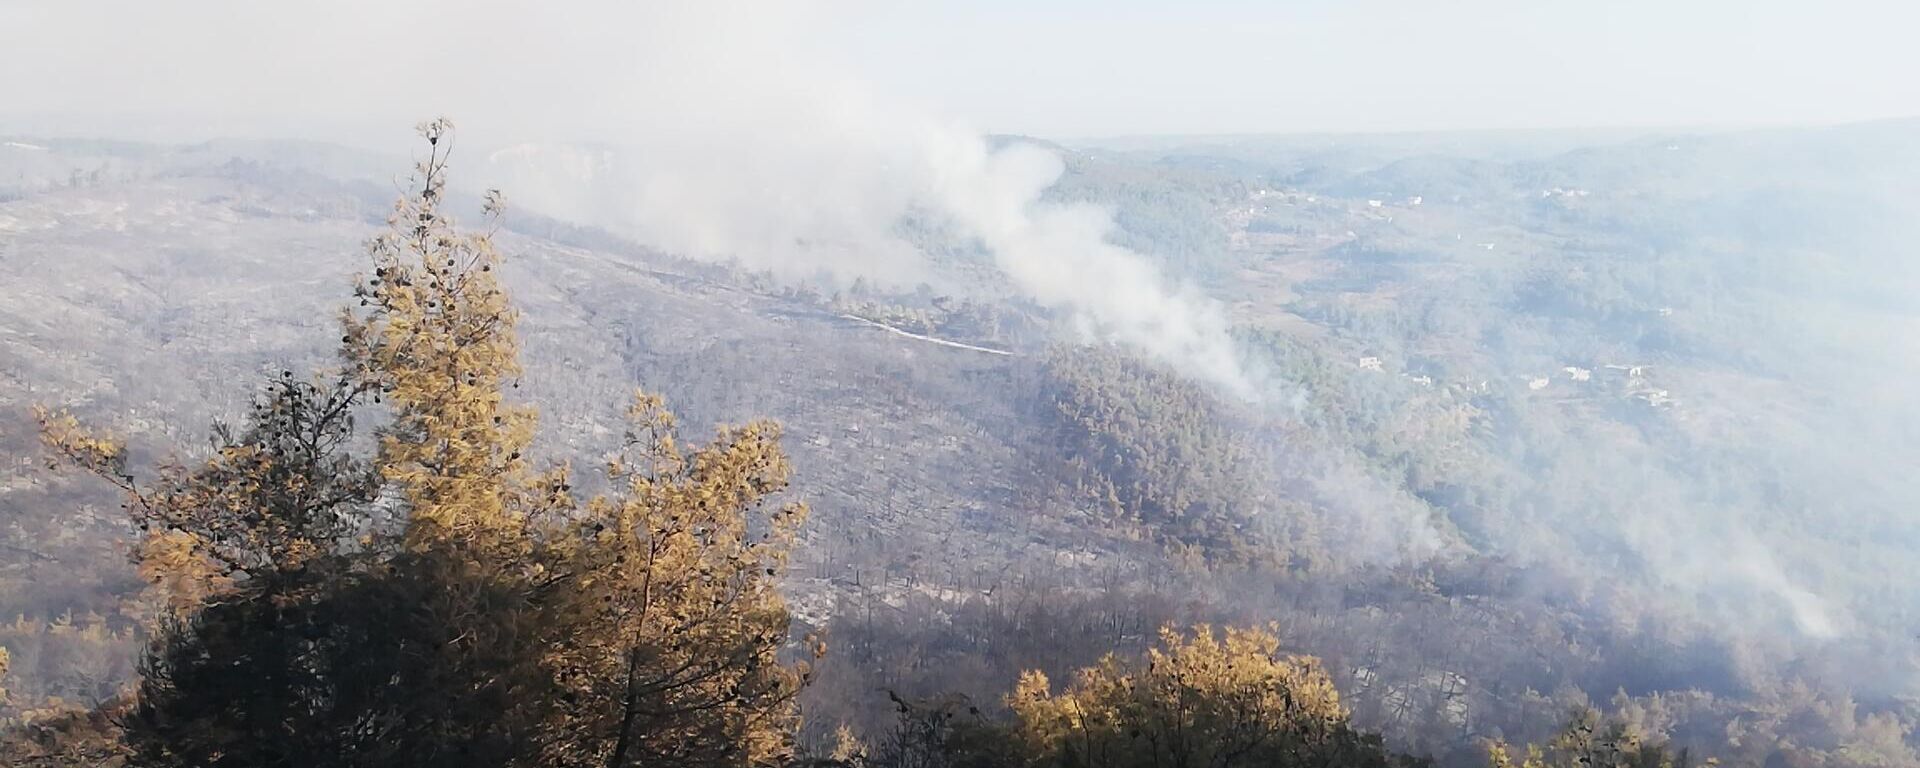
1591,741
643,627
435,333
1201,699
69,737
676,617
268,501
62,662
176,562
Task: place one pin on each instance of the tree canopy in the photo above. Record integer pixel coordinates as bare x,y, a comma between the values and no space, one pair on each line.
441,598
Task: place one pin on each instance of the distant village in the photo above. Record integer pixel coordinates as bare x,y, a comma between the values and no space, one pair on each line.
1250,230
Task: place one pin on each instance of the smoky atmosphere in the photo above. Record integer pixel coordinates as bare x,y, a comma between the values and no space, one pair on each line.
861,384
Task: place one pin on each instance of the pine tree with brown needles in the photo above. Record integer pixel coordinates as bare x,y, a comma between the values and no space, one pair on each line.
676,619
1202,699
435,334
490,620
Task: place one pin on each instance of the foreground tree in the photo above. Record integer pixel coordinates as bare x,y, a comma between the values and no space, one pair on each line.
1200,700
678,623
441,602
1590,741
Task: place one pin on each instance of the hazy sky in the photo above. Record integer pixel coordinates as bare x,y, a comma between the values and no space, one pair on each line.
1124,66
1061,69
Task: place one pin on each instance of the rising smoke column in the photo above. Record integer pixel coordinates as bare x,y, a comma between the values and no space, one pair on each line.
738,139
1061,257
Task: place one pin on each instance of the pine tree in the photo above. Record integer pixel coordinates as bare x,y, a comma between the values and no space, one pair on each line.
436,337
1591,741
268,509
674,620
1203,699
488,620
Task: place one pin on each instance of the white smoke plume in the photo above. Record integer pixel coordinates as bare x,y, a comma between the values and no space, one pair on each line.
816,174
724,129
1061,256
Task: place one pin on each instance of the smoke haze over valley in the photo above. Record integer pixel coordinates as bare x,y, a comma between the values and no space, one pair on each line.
1594,394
